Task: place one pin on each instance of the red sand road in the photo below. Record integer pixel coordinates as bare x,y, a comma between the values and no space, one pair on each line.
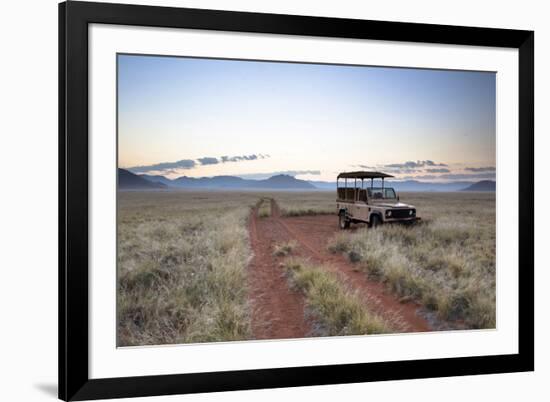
278,312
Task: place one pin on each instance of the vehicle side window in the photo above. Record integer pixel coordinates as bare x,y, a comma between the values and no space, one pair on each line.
379,193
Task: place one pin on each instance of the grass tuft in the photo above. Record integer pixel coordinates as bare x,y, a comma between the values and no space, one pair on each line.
284,249
264,208
338,309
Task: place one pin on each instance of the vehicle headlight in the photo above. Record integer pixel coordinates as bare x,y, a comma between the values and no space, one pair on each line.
411,212
388,213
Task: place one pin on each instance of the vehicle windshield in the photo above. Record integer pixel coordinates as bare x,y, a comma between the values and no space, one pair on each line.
386,193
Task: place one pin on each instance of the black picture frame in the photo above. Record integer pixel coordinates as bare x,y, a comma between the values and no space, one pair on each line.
74,381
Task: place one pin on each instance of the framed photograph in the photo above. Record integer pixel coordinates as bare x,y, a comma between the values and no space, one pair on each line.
257,200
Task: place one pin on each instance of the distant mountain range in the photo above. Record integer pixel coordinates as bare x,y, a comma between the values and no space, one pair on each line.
414,185
484,185
131,181
278,182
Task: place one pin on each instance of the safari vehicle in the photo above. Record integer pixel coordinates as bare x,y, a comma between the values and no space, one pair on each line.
368,204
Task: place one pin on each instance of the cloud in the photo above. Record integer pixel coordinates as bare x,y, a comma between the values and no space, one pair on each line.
406,167
364,167
182,164
481,169
239,158
267,175
431,163
413,164
438,170
400,170
208,161
430,170
167,167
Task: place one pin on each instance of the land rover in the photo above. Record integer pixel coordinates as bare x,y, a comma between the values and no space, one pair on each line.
358,202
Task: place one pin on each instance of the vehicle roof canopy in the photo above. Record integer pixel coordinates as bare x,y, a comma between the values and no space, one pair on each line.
363,175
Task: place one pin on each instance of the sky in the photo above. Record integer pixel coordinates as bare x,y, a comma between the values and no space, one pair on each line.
207,117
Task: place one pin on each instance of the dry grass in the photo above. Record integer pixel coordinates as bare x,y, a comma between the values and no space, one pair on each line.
306,203
264,208
182,267
182,260
334,306
284,249
447,262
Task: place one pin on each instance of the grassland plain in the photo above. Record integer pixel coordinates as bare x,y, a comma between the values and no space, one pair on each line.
306,203
447,262
182,260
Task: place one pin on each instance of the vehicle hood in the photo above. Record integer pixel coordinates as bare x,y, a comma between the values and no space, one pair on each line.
393,205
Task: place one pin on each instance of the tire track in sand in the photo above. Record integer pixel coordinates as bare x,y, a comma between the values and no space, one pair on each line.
277,310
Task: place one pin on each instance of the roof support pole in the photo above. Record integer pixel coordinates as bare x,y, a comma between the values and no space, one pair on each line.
371,182
346,188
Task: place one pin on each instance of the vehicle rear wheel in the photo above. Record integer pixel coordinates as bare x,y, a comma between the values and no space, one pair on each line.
375,221
343,222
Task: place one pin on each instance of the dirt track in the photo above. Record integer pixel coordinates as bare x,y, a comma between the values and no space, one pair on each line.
277,311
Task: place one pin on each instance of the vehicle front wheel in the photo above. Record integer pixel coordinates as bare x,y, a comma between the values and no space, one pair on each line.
343,221
375,221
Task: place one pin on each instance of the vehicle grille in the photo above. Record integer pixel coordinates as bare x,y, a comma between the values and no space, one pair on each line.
400,213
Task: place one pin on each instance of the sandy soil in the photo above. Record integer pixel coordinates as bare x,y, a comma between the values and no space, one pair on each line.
278,312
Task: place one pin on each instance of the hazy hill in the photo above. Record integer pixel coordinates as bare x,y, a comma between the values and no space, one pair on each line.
129,181
407,185
280,182
286,182
157,179
483,185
